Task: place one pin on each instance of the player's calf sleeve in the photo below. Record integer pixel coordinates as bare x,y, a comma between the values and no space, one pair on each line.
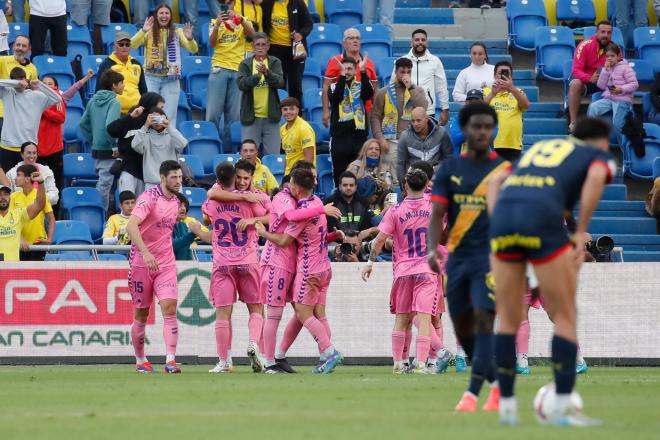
522,338
273,318
318,333
170,333
398,340
505,359
222,338
406,345
138,330
564,353
255,325
290,334
422,346
326,325
482,362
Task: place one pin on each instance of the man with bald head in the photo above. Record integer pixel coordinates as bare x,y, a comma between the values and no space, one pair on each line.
425,140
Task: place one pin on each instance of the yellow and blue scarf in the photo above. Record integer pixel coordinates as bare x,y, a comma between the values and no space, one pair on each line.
352,107
391,114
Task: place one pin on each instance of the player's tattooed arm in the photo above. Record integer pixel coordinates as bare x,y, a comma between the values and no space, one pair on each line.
436,229
376,249
278,239
494,188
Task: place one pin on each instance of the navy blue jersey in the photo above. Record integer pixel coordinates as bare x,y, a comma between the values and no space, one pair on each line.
552,173
462,183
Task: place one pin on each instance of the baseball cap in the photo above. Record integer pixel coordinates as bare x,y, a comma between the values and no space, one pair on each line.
5,188
122,36
475,94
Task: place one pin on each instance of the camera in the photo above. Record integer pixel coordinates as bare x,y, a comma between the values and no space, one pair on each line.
346,248
600,248
158,119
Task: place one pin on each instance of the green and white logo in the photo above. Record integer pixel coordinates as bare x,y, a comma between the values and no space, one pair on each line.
196,300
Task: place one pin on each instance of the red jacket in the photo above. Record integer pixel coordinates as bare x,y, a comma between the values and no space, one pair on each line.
51,129
589,56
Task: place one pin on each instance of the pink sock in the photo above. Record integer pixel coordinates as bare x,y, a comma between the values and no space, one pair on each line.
318,333
255,325
170,333
406,345
290,334
436,343
422,349
522,338
325,323
398,339
273,318
222,335
137,336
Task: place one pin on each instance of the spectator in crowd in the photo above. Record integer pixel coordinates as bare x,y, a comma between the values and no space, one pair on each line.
477,75
34,231
141,9
393,105
429,73
369,165
29,155
589,57
262,179
509,102
4,29
424,140
102,109
162,62
348,120
100,12
386,9
20,49
191,10
123,129
122,62
654,115
298,137
624,9
223,93
186,230
157,141
14,220
24,101
618,82
455,133
352,45
288,23
251,10
48,16
51,145
259,77
115,228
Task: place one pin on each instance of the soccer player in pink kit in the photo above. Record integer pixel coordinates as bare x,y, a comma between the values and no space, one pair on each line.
313,275
152,267
415,289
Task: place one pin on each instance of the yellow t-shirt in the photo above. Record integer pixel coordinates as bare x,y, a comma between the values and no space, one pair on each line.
131,73
116,226
254,14
11,226
229,47
263,179
260,92
35,229
509,120
188,221
280,32
296,139
7,63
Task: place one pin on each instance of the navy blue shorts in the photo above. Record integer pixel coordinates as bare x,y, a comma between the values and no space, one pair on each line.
469,284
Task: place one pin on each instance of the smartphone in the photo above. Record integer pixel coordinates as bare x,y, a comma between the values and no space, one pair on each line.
611,87
506,73
224,7
392,199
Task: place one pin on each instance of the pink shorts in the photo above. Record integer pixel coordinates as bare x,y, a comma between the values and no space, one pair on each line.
226,281
276,286
415,293
311,289
143,285
535,302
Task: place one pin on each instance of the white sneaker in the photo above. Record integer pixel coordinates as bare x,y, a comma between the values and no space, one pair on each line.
253,355
221,367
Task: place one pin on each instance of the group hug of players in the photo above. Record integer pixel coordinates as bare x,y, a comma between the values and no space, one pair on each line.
481,223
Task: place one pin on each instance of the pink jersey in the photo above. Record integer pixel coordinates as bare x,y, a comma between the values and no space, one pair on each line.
230,245
158,216
311,237
407,223
283,257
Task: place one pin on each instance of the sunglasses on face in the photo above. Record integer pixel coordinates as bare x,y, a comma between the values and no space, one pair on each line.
123,44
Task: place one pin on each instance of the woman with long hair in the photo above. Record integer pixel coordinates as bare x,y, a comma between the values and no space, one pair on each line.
477,75
369,164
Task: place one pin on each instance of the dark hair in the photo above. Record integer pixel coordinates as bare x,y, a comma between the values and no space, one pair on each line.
225,173
184,201
289,101
248,141
419,31
603,22
303,164
349,60
483,46
503,63
349,175
245,165
475,108
416,179
25,145
168,166
303,178
155,31
402,62
26,169
424,166
110,78
17,73
57,84
613,47
22,36
285,179
160,111
591,128
126,195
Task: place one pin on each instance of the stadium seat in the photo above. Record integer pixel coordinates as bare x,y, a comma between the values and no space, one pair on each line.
326,184
108,35
276,165
312,77
72,232
79,41
203,141
196,72
376,41
643,71
656,168
79,166
282,94
313,104
204,257
204,36
524,17
641,256
58,67
325,41
615,191
196,197
423,16
619,225
384,69
647,44
576,11
17,28
71,132
554,46
218,158
322,134
556,126
642,167
617,35
183,112
91,62
194,163
344,13
70,256
111,257
86,205
236,137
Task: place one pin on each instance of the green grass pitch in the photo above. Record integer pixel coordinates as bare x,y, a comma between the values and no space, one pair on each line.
113,402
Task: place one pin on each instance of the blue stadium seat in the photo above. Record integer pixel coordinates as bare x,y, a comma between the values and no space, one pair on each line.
205,257
376,41
72,232
59,67
71,132
554,46
17,28
196,71
643,71
576,10
184,113
199,130
615,191
204,36
543,110
236,137
567,73
196,197
642,167
195,164
86,205
325,41
205,149
524,17
91,62
555,126
322,135
312,77
108,35
112,257
617,35
326,184
79,41
423,16
640,256
79,166
313,104
276,164
647,44
621,225
70,256
233,158
282,94
384,69
344,13
656,168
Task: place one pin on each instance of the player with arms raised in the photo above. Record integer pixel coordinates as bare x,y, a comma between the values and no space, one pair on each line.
527,225
152,267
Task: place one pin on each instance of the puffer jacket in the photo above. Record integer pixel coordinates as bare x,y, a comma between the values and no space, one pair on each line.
621,75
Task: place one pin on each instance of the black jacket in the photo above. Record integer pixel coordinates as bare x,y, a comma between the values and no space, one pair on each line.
299,18
336,96
355,216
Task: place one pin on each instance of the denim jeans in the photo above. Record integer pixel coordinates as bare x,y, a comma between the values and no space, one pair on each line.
18,8
386,12
223,98
617,110
191,10
104,185
169,90
623,8
141,9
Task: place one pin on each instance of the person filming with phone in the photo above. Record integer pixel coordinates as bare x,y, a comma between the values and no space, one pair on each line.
510,103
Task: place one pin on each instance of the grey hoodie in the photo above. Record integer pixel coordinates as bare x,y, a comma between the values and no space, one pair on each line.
434,149
155,148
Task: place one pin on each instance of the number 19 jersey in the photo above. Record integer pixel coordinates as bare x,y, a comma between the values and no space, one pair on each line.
407,223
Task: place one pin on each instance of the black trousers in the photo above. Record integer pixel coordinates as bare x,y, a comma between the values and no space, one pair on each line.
344,149
55,162
58,35
32,255
293,70
8,159
510,154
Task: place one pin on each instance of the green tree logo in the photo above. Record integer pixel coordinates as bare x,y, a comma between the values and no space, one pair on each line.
195,300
